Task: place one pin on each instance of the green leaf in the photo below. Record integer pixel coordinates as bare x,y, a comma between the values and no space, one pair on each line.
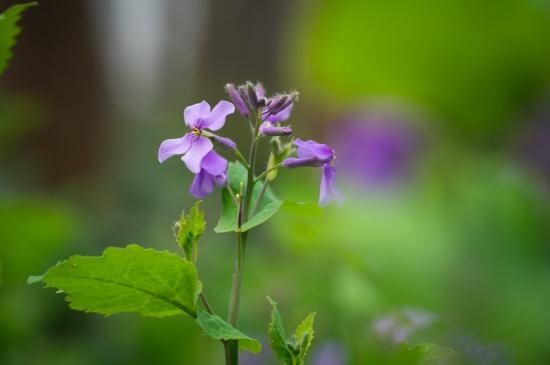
426,354
218,329
9,31
131,279
268,206
290,351
189,230
277,338
304,336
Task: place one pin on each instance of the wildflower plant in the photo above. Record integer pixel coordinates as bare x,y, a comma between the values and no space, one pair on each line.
162,284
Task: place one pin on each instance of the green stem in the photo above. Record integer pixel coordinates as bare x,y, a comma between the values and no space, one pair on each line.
242,158
206,303
232,347
263,174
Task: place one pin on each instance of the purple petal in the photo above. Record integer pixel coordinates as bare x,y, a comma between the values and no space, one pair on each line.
311,148
293,162
202,185
220,179
214,164
280,116
328,191
200,146
268,129
193,114
216,119
171,147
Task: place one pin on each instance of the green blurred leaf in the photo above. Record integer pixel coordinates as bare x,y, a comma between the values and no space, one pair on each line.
426,354
268,206
495,58
189,230
290,351
131,279
218,329
9,31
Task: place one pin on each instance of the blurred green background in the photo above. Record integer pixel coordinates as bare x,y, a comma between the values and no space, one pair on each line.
440,116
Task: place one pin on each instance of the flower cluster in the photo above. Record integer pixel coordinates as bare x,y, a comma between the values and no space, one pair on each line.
266,116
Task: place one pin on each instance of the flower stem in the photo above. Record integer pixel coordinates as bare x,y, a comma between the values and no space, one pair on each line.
232,347
242,158
263,174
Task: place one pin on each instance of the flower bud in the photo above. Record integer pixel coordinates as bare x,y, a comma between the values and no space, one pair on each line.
223,142
237,99
252,97
268,129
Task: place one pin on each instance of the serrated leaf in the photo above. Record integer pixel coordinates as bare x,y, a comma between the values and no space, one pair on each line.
304,336
268,206
277,338
9,31
131,279
218,329
189,230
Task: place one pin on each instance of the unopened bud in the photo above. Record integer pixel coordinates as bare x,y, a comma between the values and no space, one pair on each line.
252,97
224,142
237,99
268,129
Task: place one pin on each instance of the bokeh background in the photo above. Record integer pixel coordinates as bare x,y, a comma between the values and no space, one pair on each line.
440,116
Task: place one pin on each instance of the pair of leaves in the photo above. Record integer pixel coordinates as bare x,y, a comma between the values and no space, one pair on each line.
189,230
9,31
134,279
261,212
292,350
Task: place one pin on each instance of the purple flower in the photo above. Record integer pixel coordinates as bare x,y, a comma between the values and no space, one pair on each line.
311,153
194,146
213,169
250,98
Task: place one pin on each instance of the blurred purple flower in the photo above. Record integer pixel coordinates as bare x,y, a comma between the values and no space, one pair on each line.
532,144
399,326
311,153
376,152
479,353
194,146
329,353
212,171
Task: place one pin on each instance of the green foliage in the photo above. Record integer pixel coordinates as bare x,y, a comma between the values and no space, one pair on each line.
268,206
218,329
131,279
495,58
9,30
293,350
189,230
426,354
